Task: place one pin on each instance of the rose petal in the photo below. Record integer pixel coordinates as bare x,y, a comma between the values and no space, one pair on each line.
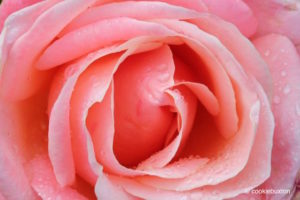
8,7
104,33
190,4
284,64
24,83
59,130
17,24
108,190
141,122
142,10
227,123
185,104
45,184
236,12
232,153
277,16
249,58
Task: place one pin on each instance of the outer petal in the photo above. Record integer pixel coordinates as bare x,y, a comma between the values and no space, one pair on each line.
9,6
277,16
284,63
45,184
143,10
234,41
28,79
22,134
236,12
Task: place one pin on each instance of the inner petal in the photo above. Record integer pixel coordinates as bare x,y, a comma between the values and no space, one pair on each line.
141,120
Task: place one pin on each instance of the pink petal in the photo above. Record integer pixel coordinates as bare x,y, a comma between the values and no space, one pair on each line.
26,82
14,183
185,104
45,184
141,122
108,190
9,6
103,33
238,148
236,12
16,25
190,4
91,87
284,63
23,134
60,151
277,16
227,123
143,10
234,41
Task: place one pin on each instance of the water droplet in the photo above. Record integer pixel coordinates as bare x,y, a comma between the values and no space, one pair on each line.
282,50
286,89
267,52
276,99
283,73
298,109
285,64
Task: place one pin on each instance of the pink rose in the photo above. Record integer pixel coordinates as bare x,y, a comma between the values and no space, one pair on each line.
169,99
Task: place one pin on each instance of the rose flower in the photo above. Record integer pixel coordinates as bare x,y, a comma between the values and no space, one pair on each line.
156,100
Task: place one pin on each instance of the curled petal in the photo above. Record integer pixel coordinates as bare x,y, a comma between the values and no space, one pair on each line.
28,79
236,12
141,10
94,36
45,184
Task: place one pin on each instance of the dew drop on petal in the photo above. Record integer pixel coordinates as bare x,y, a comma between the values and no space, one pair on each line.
286,89
267,52
283,73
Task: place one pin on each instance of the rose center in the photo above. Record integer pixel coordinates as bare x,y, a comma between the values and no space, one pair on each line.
141,120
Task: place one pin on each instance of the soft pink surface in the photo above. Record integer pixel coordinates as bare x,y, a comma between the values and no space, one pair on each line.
284,64
277,16
148,100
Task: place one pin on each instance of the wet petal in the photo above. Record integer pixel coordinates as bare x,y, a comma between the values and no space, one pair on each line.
142,10
21,85
284,63
236,12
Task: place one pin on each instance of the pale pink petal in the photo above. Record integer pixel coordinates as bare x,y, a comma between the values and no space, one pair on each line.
187,75
44,182
249,58
17,24
227,123
23,133
204,95
91,86
28,79
14,183
284,63
108,190
9,6
60,150
95,36
238,148
185,105
198,5
236,12
259,163
277,16
143,10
